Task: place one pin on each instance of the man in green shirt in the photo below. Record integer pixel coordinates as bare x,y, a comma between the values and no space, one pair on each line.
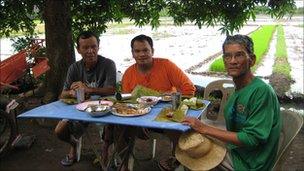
252,113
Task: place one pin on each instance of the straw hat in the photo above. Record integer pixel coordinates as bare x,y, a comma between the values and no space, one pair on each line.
197,152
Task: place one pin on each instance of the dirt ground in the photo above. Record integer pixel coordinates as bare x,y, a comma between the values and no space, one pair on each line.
47,151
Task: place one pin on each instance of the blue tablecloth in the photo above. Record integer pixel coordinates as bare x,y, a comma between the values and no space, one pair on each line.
60,110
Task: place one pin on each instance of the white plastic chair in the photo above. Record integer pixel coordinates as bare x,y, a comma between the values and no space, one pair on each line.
226,87
292,124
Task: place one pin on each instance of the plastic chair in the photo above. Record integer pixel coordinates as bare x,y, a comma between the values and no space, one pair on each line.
226,87
292,123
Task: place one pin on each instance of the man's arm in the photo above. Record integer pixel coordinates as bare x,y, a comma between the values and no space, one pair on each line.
180,79
226,136
127,81
89,90
67,92
100,91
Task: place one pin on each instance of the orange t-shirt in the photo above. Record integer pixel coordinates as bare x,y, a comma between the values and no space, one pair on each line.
164,76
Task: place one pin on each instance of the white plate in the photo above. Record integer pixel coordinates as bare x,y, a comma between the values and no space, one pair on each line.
84,105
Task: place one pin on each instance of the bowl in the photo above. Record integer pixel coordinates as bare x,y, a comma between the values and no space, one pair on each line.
98,110
148,100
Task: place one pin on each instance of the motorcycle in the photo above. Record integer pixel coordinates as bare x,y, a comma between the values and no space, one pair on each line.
8,126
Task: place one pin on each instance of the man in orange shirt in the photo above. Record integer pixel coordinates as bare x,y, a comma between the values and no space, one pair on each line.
155,73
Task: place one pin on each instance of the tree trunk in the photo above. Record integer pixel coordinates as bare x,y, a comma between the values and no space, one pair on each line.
59,46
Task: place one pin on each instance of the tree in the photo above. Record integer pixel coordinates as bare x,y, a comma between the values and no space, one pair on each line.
58,33
65,19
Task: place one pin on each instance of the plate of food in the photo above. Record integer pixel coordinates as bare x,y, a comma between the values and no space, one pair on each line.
97,110
84,105
69,101
129,110
148,100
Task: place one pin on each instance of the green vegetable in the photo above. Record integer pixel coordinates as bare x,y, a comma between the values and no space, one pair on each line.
143,91
194,103
69,100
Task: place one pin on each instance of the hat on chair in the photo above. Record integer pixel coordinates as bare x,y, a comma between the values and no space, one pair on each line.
197,152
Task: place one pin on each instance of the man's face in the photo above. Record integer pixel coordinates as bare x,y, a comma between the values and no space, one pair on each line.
88,49
142,52
237,61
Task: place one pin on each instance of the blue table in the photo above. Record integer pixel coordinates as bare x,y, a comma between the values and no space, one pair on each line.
60,110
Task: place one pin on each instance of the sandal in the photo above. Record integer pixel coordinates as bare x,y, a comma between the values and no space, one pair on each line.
67,161
169,164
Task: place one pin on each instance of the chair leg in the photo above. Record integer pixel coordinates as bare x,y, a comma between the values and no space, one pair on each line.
154,148
131,163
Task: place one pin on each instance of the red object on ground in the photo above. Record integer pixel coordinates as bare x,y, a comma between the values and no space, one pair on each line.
41,67
13,68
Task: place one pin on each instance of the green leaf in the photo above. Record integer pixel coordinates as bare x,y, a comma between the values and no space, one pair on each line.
178,115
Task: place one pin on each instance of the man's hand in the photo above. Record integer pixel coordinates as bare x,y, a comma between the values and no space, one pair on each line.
194,123
72,93
77,85
225,136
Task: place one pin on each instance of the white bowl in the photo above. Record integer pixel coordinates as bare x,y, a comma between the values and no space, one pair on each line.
148,100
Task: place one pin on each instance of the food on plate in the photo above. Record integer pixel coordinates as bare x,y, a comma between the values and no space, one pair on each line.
84,105
182,110
148,100
166,98
98,110
69,100
130,109
168,114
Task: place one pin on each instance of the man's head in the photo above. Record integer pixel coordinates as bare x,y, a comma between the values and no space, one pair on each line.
142,50
238,55
87,47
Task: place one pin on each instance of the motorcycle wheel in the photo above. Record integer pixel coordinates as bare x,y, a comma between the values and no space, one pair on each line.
7,132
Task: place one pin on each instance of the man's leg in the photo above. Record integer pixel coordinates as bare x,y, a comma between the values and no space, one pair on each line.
63,132
70,132
107,140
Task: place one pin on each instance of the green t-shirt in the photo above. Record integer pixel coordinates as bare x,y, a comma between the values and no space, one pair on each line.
254,113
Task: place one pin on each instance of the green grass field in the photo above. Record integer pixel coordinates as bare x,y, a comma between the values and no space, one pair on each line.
261,39
281,65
